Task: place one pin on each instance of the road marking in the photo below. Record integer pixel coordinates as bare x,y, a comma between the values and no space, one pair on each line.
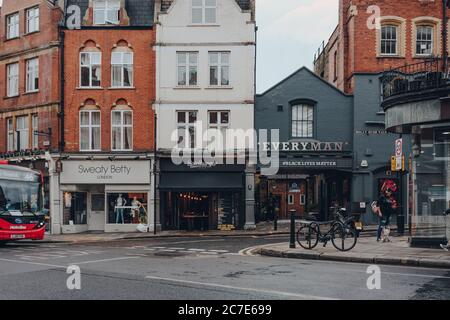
167,250
208,252
106,260
415,275
34,263
196,250
288,294
219,251
177,248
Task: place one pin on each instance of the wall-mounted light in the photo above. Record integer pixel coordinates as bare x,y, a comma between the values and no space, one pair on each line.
364,164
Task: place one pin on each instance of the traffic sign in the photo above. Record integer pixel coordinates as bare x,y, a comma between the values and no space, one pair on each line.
398,147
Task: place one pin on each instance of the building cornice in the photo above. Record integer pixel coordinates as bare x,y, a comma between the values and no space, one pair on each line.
50,45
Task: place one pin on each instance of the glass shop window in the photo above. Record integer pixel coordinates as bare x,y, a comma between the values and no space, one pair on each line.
127,208
75,208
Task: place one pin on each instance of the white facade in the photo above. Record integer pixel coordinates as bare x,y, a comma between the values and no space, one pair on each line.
234,33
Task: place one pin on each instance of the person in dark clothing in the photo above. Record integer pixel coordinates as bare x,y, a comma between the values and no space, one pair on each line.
386,209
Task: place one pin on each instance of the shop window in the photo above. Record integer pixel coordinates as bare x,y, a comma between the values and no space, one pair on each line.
302,121
75,208
98,202
442,144
127,208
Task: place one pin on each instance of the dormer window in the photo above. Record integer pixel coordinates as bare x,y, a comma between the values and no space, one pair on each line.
204,11
106,12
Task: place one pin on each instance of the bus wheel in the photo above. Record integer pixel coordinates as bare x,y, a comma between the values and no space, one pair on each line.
2,243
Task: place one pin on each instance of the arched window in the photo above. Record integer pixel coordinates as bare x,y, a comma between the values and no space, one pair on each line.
90,127
122,128
90,66
122,61
302,121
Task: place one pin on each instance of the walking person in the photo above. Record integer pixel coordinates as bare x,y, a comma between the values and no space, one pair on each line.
385,209
446,247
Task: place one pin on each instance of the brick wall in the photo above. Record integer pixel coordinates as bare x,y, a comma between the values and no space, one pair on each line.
140,98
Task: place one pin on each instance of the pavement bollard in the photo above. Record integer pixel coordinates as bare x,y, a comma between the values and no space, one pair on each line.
292,240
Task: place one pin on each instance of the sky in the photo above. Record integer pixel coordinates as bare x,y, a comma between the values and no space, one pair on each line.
289,33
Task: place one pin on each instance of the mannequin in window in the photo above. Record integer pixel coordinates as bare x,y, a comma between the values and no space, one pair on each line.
120,203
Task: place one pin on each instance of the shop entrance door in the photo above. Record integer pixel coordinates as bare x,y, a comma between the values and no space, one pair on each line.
97,215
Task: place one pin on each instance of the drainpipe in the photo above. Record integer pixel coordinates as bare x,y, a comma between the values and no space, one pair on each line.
445,5
62,142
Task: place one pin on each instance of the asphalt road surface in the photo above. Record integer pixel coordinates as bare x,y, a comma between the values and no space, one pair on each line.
207,268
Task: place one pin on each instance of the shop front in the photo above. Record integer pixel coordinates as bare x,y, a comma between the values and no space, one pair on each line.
308,185
104,196
202,198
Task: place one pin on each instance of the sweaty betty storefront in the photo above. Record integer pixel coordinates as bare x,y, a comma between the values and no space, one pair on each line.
109,196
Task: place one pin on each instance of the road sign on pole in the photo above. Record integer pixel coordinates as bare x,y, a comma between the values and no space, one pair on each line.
399,154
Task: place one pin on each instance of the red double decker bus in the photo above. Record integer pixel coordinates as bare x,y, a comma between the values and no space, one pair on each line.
21,198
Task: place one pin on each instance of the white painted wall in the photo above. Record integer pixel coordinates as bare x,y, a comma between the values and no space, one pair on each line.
234,32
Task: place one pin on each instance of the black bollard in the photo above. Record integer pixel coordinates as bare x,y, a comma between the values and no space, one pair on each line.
292,241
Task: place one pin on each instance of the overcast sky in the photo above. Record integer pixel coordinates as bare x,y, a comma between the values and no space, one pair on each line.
290,31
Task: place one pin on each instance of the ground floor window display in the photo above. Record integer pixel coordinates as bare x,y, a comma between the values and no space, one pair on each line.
127,208
75,208
202,210
431,176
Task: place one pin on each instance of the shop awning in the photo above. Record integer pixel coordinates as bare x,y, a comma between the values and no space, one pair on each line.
200,181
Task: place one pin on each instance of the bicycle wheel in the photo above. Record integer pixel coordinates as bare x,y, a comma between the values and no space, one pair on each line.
343,238
308,236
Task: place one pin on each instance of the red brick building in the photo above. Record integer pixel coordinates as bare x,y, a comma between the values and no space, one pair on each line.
109,90
408,32
29,77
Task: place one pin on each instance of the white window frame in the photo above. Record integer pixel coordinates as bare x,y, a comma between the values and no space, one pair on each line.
12,26
23,132
103,7
90,66
297,117
187,65
10,135
219,65
32,19
35,132
189,141
32,67
204,6
122,66
389,40
90,127
291,199
219,126
431,41
12,86
122,126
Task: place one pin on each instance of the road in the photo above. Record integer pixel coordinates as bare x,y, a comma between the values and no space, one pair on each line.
199,268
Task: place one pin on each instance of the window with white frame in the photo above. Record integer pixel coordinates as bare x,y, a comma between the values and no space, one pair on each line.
12,26
219,68
424,40
90,69
32,23
10,135
219,121
35,132
23,133
187,68
204,11
302,121
291,199
122,130
122,69
32,82
12,86
90,130
106,12
186,121
389,40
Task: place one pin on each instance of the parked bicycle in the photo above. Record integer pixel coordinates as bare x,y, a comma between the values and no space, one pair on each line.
342,236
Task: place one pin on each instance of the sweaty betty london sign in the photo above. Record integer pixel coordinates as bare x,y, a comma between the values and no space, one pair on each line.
116,172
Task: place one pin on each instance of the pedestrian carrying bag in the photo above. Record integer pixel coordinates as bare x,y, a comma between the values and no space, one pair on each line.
375,208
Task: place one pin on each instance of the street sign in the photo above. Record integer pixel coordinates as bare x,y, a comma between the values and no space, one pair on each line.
398,154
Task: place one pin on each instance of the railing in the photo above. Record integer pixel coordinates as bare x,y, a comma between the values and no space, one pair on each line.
414,78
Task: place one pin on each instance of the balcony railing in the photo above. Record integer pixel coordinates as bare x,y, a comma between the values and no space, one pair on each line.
414,78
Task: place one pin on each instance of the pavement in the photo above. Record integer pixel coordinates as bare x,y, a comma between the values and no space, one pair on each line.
202,268
367,250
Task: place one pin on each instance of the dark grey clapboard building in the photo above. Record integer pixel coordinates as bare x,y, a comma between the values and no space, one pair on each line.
333,148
